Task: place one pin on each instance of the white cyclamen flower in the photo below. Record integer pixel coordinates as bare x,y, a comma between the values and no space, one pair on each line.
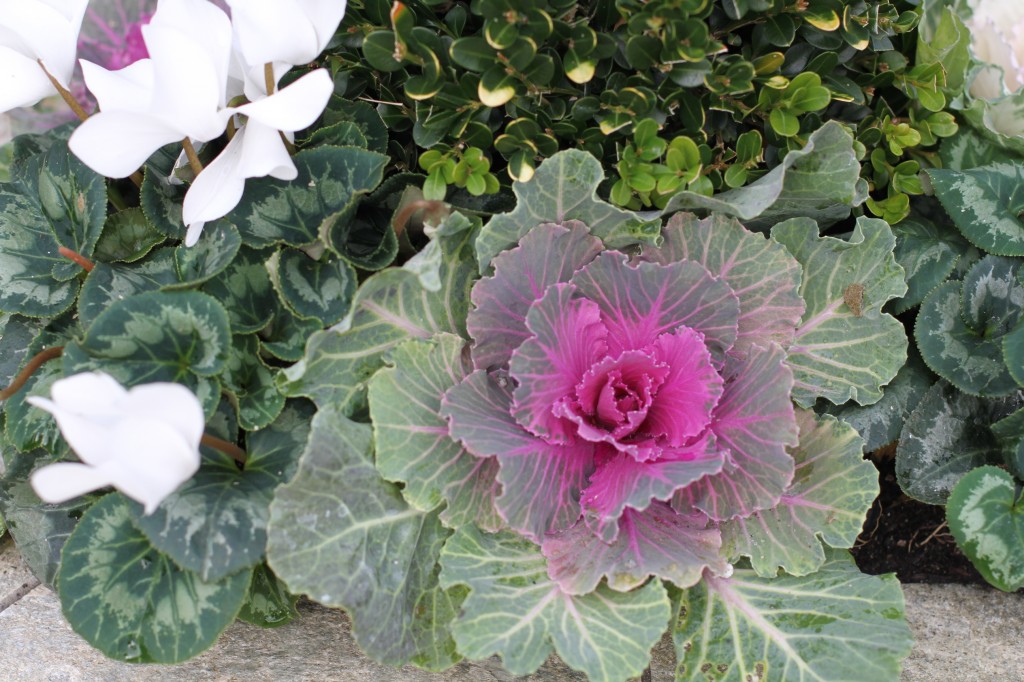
33,31
284,31
179,92
143,441
256,150
997,37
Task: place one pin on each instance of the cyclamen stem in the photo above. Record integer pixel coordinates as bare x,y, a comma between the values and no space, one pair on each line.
268,78
37,361
193,158
228,448
86,264
68,98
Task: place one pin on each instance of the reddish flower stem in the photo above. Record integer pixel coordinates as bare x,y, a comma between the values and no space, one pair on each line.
86,264
37,361
228,448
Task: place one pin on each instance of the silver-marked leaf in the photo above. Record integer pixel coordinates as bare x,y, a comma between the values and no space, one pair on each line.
285,336
961,328
968,149
985,204
72,199
160,336
657,541
754,424
107,284
928,253
268,604
310,288
131,602
344,536
564,188
215,524
391,306
516,611
835,624
329,178
250,384
985,513
761,273
821,182
413,445
210,255
245,290
16,334
845,347
946,436
880,423
127,236
27,427
179,336
39,529
546,255
833,488
161,202
1009,431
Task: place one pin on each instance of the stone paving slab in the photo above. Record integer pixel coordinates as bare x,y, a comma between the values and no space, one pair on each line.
963,633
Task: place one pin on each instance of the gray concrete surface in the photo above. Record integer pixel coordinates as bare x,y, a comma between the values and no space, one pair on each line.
963,633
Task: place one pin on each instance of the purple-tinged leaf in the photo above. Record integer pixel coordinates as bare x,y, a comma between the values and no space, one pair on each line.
762,273
640,302
620,481
541,482
568,338
412,442
754,423
657,541
833,488
683,405
547,255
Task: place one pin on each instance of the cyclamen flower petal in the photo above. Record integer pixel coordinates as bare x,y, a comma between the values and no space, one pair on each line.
31,30
179,92
290,31
143,441
256,150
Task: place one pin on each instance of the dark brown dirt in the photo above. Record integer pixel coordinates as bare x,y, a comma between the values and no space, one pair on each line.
909,538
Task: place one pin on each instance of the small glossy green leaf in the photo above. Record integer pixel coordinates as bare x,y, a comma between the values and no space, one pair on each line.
129,601
268,603
379,51
127,237
210,255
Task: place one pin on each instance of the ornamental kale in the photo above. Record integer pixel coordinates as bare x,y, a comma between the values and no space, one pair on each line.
623,395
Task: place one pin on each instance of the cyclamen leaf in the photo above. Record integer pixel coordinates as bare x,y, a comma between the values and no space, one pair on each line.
835,624
546,255
754,422
516,611
833,488
127,237
413,445
107,284
342,535
845,347
210,256
329,179
311,288
929,254
390,307
657,541
250,384
962,327
245,290
268,604
985,204
946,436
820,182
880,423
128,600
216,523
761,273
540,482
984,514
563,189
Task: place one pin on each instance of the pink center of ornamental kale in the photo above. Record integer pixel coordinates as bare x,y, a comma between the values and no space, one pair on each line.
113,39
